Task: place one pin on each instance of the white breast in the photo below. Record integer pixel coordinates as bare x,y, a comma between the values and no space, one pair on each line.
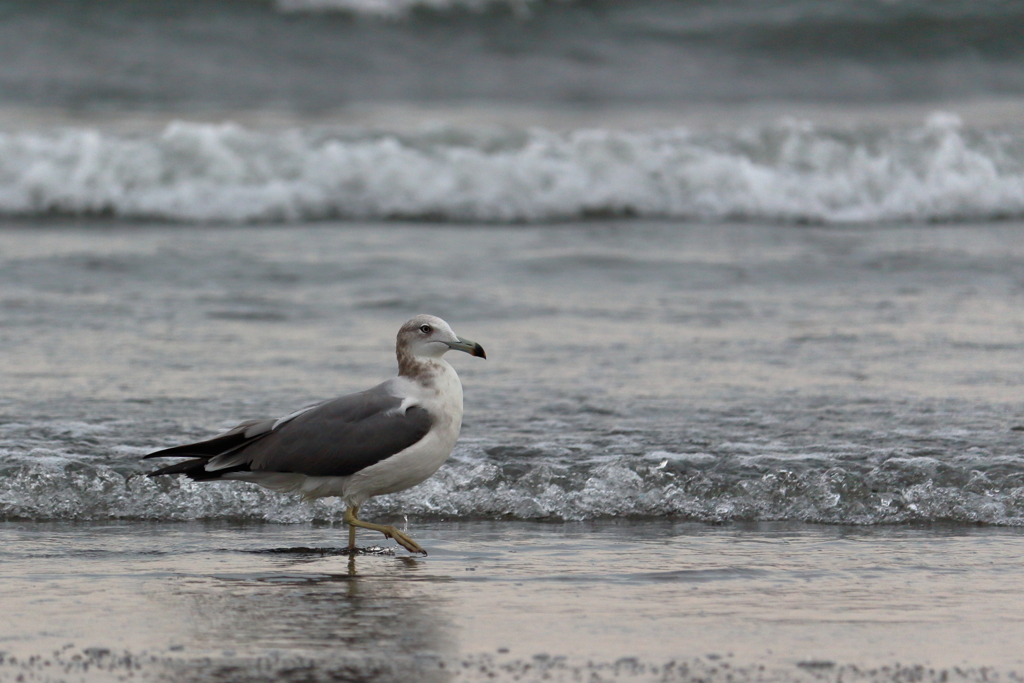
442,398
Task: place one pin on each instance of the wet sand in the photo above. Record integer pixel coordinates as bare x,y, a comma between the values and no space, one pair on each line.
510,600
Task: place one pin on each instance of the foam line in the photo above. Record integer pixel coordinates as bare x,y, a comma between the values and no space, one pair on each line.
785,172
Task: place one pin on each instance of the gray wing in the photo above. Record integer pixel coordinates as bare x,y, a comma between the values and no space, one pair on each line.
333,439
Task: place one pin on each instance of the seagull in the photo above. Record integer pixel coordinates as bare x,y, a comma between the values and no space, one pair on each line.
382,440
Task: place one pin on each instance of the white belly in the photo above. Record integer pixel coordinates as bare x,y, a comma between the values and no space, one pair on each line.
401,471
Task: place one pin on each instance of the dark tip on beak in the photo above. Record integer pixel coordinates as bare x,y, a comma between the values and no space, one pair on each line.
470,347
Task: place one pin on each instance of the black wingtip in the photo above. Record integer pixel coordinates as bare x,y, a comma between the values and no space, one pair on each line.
479,352
176,452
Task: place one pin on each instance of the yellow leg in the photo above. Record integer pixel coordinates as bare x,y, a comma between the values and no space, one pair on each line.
388,531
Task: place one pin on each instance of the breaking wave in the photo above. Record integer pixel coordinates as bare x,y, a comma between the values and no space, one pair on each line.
786,172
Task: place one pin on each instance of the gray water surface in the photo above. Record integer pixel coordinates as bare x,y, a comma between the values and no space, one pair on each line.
703,372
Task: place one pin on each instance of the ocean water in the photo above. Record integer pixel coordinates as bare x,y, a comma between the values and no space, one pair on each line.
749,276
513,110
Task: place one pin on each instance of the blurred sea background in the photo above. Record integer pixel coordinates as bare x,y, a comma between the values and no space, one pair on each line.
747,271
512,110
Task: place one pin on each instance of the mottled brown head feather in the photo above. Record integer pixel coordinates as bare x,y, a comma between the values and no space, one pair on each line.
420,341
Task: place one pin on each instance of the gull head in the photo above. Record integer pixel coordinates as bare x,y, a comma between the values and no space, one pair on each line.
427,336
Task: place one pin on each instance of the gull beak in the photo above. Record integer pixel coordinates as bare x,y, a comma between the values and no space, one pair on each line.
470,347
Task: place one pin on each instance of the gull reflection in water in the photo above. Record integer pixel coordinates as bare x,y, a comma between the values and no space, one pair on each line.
326,613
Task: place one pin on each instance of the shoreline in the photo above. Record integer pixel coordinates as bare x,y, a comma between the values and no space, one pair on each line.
621,600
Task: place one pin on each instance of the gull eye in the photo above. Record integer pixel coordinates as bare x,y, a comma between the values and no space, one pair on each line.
426,329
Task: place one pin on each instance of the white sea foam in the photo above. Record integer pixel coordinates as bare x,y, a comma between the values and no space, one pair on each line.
789,172
51,485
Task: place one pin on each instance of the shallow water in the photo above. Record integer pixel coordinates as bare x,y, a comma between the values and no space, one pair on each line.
707,372
641,601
